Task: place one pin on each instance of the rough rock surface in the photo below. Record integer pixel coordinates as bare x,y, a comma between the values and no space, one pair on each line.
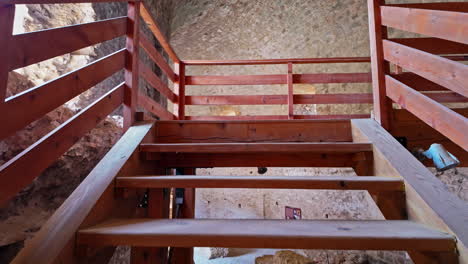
284,257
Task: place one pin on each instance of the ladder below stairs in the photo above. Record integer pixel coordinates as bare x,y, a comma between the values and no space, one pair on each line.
413,223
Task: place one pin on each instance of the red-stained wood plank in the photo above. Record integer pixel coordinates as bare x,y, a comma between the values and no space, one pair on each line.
377,33
7,15
179,88
20,171
279,99
156,57
439,117
434,45
58,41
447,6
155,108
278,61
314,78
290,91
279,117
131,64
153,26
448,73
44,98
286,147
156,82
449,97
434,23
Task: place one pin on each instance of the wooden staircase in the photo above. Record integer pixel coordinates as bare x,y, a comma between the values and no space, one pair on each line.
151,233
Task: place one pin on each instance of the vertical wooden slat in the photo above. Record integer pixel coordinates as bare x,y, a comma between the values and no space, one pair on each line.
179,88
131,64
290,91
7,15
185,255
377,33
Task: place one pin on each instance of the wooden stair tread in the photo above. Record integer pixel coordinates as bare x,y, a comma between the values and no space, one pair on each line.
334,147
247,233
279,182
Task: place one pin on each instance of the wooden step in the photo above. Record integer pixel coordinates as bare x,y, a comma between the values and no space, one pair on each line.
335,147
263,182
246,233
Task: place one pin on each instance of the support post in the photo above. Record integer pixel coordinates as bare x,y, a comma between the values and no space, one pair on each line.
290,91
179,88
131,63
7,16
377,33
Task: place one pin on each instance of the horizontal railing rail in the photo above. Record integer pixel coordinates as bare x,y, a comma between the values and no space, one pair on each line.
421,67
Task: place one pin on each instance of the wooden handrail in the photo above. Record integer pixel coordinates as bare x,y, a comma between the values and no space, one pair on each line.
277,61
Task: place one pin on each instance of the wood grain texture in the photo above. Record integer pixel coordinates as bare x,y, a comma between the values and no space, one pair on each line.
252,131
428,199
434,23
156,57
132,63
54,42
86,202
153,26
278,61
446,6
243,233
335,147
450,74
278,117
7,16
441,118
46,97
377,34
156,83
290,96
27,165
310,78
155,108
179,88
264,182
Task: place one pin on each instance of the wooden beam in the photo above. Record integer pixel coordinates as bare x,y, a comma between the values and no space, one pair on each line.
417,82
434,23
433,45
279,99
153,26
179,88
290,91
156,57
441,118
377,33
93,201
156,83
263,159
253,131
277,61
335,147
20,171
132,64
7,17
50,95
276,117
428,200
332,117
264,182
450,74
314,78
304,234
155,108
54,42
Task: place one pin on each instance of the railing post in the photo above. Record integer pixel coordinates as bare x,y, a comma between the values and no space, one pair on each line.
179,88
131,63
382,104
290,91
7,16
